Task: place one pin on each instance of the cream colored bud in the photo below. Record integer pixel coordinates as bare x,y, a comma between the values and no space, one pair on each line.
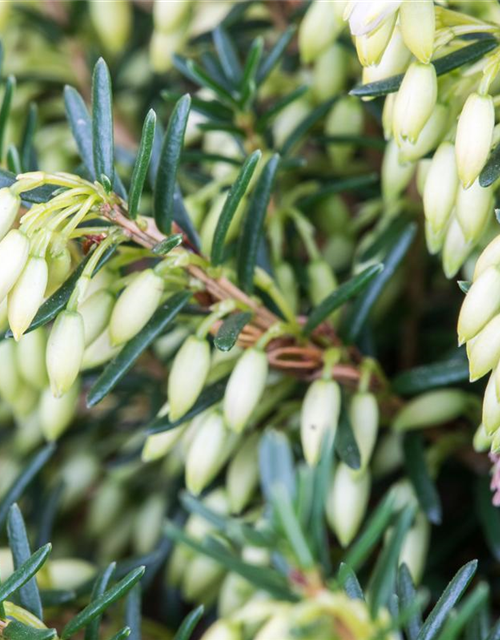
387,114
96,312
14,252
481,441
395,60
234,593
388,455
430,136
434,239
9,208
347,501
430,409
491,406
364,416
99,352
245,388
474,137
330,73
474,206
30,355
456,249
135,306
318,30
162,48
484,350
59,270
441,187
169,15
201,580
159,445
10,381
56,414
208,452
396,175
368,15
69,573
113,23
490,257
65,351
415,101
287,282
106,505
223,630
26,297
423,167
319,416
187,375
415,546
242,475
370,47
148,522
481,303
288,119
346,117
321,281
418,24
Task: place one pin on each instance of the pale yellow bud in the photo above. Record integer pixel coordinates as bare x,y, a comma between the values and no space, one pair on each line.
9,208
347,501
395,60
159,445
234,593
243,474
346,117
319,416
65,351
387,114
473,208
484,350
135,306
288,119
474,137
481,441
223,630
96,312
330,73
201,579
148,522
370,47
14,252
169,15
187,375
415,546
368,15
490,257
430,409
430,136
456,249
418,25
441,187
434,239
318,30
56,414
59,270
99,352
481,303
113,23
491,406
415,101
107,503
162,48
287,282
31,358
321,281
10,382
364,416
396,175
423,167
25,298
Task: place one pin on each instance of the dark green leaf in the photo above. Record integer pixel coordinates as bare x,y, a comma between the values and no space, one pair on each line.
230,329
451,595
10,85
189,623
350,582
407,597
25,572
341,295
100,604
418,473
125,360
228,56
275,55
29,596
133,612
491,170
276,464
81,126
363,305
208,108
233,199
283,508
430,376
338,186
141,164
489,515
100,585
165,246
16,630
279,105
345,442
464,285
443,65
102,122
201,156
204,79
383,578
28,156
248,85
323,472
30,469
56,597
471,605
253,225
166,176
306,124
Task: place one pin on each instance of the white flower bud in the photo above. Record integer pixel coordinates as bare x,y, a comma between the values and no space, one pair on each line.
135,306
473,208
9,208
223,630
201,579
69,573
169,15
481,303
366,15
288,119
96,312
430,409
321,281
418,24
396,175
234,593
107,503
148,521
113,23
330,73
23,406
491,406
65,351
319,415
25,298
456,249
364,416
490,257
10,382
245,388
14,251
481,441
159,445
388,455
434,239
243,474
59,270
162,47
346,117
484,350
278,626
429,137
423,167
208,452
318,29
99,352
371,47
287,282
347,501
474,137
415,546
31,358
441,187
187,375
415,101
395,60
56,414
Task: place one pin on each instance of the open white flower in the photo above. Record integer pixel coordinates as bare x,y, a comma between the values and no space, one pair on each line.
366,15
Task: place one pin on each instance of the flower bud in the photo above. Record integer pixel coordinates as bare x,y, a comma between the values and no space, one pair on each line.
364,416
99,352
65,351
59,270
26,297
346,117
395,60
415,101
287,282
473,208
135,306
474,137
441,187
245,388
169,16
330,73
96,312
159,445
490,257
318,29
456,249
234,593
14,251
322,281
491,406
429,137
30,355
243,474
388,455
434,239
415,546
288,119
10,382
148,521
223,630
113,23
208,452
481,303
188,375
371,47
396,175
364,17
201,579
9,208
418,24
56,414
319,415
347,501
481,441
162,48
430,409
68,573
